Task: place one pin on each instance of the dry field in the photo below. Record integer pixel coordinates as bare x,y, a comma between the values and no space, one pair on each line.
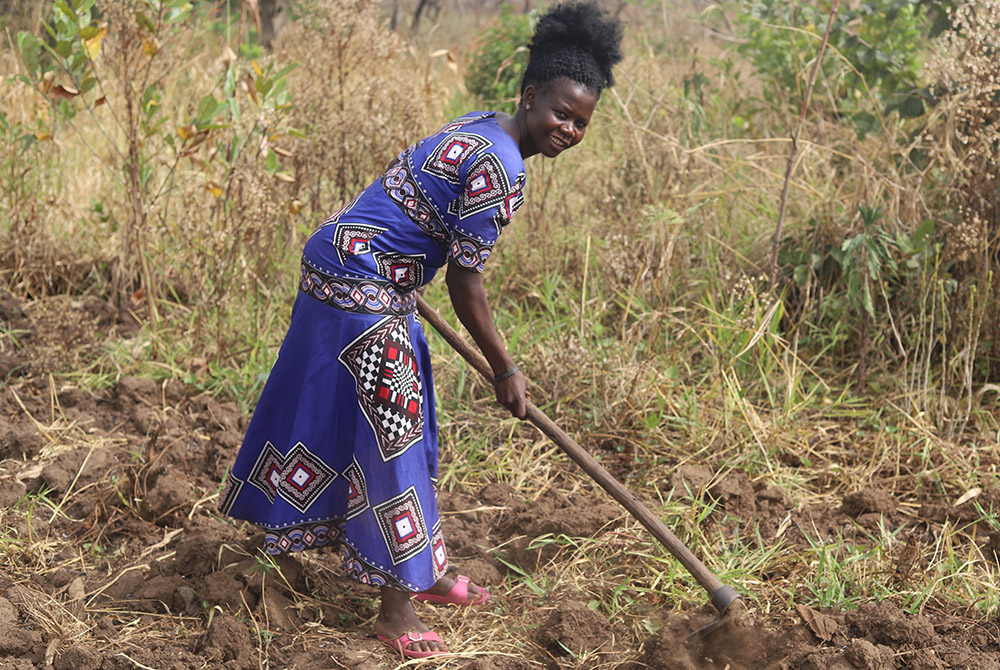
827,442
114,556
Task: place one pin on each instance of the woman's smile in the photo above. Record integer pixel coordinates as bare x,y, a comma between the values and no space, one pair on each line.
559,142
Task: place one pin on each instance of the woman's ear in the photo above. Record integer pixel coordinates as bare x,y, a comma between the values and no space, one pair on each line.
528,97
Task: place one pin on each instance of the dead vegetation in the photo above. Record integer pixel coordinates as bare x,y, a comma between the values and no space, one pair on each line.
860,522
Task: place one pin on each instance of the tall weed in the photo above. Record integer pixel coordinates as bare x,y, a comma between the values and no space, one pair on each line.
360,98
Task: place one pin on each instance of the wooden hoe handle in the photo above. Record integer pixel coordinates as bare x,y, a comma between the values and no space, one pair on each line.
720,594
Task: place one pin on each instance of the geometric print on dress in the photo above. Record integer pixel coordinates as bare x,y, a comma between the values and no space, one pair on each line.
354,239
439,554
486,186
266,472
402,524
469,252
357,490
229,494
447,158
298,478
385,371
406,272
302,536
304,477
403,190
364,296
361,571
508,208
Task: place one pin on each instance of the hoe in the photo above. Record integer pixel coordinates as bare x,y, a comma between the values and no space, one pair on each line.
726,600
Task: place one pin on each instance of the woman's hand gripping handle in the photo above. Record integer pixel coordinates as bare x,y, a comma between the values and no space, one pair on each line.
511,389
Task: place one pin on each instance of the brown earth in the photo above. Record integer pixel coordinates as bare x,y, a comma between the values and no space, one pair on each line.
115,557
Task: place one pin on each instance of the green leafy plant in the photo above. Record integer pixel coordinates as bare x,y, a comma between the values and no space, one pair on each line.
498,63
864,258
109,72
879,42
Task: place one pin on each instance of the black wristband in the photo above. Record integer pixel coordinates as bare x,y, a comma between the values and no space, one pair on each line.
510,373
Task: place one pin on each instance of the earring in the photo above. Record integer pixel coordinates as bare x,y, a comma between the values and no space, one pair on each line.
527,108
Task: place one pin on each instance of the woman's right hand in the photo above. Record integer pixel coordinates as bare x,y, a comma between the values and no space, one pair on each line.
512,393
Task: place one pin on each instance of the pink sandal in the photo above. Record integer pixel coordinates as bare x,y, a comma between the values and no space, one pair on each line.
458,595
403,642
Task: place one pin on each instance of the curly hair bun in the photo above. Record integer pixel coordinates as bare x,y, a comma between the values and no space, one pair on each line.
578,40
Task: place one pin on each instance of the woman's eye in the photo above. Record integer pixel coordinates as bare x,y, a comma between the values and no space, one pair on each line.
560,115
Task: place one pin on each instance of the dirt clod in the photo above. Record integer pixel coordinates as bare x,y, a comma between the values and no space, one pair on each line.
10,491
689,479
19,441
228,641
168,496
886,623
737,495
573,628
17,641
7,612
868,501
864,655
78,467
78,657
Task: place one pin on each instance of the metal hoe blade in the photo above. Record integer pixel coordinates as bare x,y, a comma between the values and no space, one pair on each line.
729,604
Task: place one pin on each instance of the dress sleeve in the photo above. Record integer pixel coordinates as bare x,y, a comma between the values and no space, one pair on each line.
491,194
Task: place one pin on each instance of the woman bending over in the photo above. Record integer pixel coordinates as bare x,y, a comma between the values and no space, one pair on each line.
343,445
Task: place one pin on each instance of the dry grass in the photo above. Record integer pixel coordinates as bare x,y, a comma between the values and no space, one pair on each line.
630,289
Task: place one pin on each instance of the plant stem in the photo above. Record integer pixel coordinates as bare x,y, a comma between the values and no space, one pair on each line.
793,152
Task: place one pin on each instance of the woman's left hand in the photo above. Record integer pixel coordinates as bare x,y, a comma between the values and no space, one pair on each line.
513,394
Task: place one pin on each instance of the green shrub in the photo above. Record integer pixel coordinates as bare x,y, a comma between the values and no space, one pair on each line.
880,40
499,60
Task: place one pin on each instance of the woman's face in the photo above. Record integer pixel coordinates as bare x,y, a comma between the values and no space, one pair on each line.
556,115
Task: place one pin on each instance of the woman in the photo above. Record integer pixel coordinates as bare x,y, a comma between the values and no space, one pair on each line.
343,444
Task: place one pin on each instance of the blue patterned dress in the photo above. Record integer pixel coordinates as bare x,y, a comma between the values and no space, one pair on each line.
342,446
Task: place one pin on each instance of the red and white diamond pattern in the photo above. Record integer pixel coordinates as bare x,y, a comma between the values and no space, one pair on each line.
304,477
299,478
406,272
486,186
390,393
402,524
439,555
354,239
357,490
447,158
266,472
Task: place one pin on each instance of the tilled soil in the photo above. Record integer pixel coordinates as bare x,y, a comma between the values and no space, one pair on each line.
115,556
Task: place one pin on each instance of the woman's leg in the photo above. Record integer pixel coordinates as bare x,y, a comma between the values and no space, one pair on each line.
396,617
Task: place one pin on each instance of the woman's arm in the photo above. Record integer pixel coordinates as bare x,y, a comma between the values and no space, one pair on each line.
469,299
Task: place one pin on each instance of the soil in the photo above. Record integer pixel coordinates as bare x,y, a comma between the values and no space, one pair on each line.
130,566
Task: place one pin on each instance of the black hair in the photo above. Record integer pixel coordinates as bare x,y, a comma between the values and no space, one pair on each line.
578,40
